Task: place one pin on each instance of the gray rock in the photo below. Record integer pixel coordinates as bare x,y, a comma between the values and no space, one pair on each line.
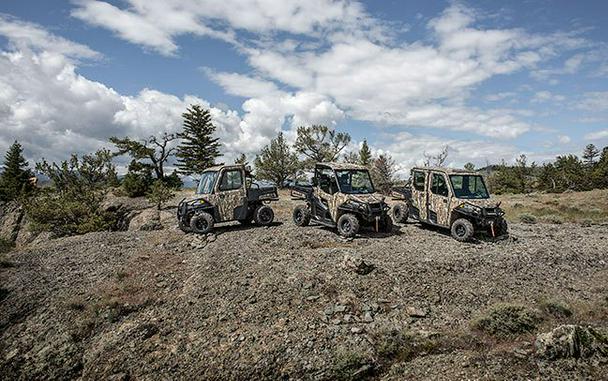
571,341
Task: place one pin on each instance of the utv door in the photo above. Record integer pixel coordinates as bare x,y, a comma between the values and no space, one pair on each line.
439,200
231,194
419,194
325,191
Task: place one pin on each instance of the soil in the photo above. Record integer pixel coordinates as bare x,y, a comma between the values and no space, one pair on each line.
284,302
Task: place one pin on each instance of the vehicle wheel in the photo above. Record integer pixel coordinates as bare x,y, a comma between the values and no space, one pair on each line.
201,223
501,228
386,225
348,225
263,215
400,212
183,227
462,230
301,215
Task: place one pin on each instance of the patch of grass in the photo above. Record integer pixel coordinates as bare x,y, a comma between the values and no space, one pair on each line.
400,345
351,365
506,320
6,245
552,219
527,218
556,308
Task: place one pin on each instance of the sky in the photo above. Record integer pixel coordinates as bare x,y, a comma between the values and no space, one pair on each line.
490,80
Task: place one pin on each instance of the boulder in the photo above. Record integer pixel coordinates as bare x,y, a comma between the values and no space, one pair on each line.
572,341
10,221
147,219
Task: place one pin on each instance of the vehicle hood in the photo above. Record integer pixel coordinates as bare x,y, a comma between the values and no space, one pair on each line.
367,198
484,203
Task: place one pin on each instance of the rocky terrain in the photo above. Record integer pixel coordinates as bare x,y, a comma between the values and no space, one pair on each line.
301,303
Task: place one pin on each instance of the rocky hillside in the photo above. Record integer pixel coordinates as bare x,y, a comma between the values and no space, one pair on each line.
301,303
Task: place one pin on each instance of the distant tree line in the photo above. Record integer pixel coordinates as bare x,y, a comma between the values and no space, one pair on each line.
566,173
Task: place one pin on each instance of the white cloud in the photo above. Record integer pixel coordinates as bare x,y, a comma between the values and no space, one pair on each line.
21,34
547,96
595,101
156,23
597,135
564,139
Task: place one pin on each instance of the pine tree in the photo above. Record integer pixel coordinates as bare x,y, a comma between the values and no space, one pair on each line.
383,173
198,149
15,177
320,144
590,154
242,159
277,162
469,167
365,154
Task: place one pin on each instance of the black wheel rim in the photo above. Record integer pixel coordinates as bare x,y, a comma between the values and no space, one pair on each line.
460,230
265,216
298,216
346,226
201,224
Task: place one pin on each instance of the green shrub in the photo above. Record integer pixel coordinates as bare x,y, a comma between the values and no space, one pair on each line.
556,308
64,214
159,194
136,185
527,218
504,320
401,345
350,365
173,181
5,245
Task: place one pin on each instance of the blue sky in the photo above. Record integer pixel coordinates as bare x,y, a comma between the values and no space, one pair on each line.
490,80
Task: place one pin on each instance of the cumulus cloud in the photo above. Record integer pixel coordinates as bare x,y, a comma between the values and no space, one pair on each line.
597,135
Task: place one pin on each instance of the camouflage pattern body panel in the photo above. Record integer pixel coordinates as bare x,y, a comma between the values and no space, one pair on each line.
336,200
225,203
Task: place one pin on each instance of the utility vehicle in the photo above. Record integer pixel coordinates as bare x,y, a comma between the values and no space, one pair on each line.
449,198
341,196
226,193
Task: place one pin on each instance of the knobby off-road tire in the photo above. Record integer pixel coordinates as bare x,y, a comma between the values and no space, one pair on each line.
400,212
348,225
462,230
386,224
263,215
201,223
301,215
501,228
184,225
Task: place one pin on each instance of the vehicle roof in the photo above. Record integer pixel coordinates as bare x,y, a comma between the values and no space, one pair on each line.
449,171
338,166
222,166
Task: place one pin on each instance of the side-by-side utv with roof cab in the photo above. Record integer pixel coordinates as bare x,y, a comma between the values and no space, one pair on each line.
226,193
341,196
450,198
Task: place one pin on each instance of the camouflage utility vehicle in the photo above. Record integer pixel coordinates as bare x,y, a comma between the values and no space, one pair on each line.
226,193
449,198
341,196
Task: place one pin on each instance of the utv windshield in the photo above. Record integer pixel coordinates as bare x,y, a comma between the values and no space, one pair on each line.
354,181
205,186
469,186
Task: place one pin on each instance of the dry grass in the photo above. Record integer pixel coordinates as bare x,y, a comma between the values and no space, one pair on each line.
575,207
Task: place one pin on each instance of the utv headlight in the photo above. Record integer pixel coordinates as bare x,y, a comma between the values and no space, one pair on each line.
470,208
358,205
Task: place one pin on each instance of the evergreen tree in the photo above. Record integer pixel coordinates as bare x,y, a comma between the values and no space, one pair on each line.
320,144
198,149
352,158
383,173
590,154
15,177
153,152
242,159
600,171
469,167
159,194
365,154
277,162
